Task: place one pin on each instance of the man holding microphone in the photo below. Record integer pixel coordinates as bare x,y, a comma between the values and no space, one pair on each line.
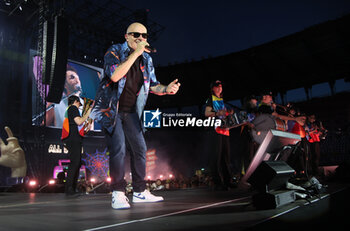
120,100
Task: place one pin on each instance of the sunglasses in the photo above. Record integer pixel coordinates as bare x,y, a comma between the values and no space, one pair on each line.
137,34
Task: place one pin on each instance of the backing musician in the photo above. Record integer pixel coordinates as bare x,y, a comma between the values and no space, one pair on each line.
267,106
315,132
294,124
267,118
220,160
247,146
73,132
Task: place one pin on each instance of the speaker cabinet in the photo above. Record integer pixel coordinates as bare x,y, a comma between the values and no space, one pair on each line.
57,65
48,35
270,175
273,199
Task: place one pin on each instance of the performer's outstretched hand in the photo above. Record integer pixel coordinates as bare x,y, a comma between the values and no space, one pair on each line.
173,87
12,155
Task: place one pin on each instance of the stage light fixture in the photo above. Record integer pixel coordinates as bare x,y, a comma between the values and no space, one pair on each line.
32,183
170,176
161,176
149,177
92,180
52,182
109,180
7,2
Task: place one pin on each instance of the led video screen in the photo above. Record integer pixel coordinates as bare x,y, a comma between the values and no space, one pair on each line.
81,80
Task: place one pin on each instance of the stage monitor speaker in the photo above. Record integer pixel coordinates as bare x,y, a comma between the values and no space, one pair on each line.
59,60
273,142
271,175
273,199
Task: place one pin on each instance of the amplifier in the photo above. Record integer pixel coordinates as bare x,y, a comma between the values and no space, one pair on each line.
273,199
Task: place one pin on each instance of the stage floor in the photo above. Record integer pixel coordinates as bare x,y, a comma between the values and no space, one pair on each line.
183,209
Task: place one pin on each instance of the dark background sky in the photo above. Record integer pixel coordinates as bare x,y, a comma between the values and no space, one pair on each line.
198,29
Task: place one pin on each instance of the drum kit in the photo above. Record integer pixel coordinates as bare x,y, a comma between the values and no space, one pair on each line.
262,125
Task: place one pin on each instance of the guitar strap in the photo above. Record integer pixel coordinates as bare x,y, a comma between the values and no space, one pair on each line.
218,104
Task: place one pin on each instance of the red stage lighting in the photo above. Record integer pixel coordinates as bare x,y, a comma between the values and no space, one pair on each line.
51,182
32,183
109,180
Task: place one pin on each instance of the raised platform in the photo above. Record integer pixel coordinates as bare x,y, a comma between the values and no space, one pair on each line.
184,209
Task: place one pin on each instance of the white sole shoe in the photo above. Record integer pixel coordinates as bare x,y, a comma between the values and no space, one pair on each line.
119,200
146,197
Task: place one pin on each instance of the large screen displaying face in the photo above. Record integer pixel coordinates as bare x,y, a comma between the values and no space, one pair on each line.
81,80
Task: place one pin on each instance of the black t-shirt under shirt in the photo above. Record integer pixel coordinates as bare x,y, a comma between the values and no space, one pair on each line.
133,84
73,127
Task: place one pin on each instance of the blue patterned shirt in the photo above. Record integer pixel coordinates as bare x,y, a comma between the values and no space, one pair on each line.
108,93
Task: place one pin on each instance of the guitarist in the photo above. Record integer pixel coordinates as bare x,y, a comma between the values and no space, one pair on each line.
220,160
72,136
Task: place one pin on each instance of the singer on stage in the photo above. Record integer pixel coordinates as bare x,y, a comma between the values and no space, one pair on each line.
55,112
120,100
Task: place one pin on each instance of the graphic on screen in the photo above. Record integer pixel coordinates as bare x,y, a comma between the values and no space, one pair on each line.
81,80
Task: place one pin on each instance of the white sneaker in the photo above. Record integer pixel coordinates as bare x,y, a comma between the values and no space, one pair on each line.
145,196
119,200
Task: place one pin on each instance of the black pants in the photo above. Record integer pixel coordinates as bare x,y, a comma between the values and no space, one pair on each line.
221,160
74,148
128,131
314,157
247,148
298,159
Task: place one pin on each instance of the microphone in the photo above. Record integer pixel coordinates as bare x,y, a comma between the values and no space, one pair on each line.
78,89
151,49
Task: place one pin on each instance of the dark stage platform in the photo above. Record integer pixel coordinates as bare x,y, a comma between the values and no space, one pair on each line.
183,209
